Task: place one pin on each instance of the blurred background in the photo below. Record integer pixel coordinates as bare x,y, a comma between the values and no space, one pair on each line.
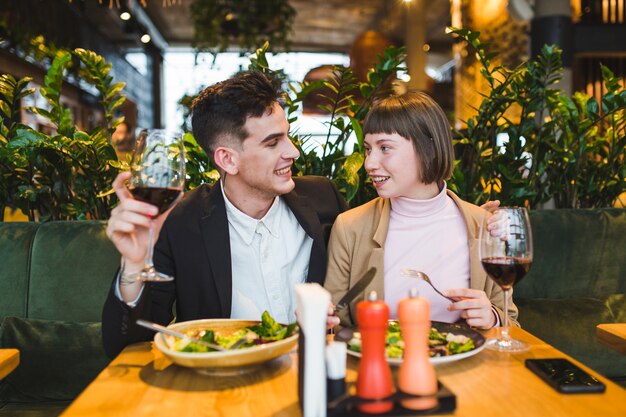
534,90
155,46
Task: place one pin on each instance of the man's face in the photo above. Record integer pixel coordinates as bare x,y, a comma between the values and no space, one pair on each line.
265,159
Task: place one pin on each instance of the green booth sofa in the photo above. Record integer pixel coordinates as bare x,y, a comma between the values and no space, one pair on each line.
577,281
54,278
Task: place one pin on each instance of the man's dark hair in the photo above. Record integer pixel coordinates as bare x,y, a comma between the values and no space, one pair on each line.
220,112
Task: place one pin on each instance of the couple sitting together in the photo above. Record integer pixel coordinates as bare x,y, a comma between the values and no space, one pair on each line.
238,247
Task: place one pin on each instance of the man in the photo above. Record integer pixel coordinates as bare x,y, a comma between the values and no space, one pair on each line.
236,248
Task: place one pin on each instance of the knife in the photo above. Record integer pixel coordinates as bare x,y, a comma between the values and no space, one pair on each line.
357,289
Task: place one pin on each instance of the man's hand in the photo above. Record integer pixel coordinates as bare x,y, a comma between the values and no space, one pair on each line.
474,305
491,206
331,319
129,227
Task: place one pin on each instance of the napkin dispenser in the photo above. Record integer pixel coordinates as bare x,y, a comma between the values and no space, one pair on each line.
313,302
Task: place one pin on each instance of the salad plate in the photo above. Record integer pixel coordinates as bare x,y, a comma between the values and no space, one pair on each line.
237,361
454,342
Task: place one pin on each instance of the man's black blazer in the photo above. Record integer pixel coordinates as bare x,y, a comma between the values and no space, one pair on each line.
194,246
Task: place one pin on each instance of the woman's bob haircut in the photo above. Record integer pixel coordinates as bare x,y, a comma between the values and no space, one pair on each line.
417,117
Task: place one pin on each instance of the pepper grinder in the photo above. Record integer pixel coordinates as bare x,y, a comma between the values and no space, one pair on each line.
417,374
374,380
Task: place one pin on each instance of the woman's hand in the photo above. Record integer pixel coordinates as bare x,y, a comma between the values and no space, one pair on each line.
474,305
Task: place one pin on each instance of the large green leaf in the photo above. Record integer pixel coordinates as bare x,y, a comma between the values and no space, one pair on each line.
352,165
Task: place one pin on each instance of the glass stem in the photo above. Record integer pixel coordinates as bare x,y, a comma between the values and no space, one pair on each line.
148,262
504,332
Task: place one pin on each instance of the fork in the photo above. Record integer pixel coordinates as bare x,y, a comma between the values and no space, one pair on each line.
412,273
162,329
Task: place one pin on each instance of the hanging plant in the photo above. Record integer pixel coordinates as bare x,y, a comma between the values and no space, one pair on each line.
220,24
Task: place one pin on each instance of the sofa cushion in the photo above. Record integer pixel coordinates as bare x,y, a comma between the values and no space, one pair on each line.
570,326
72,267
57,359
15,246
577,253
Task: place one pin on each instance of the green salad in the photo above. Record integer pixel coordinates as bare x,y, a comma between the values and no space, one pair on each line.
267,331
440,343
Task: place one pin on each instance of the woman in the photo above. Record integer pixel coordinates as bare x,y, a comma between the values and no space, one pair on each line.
416,222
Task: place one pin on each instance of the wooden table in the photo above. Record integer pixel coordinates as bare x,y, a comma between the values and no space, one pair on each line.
613,335
141,382
9,359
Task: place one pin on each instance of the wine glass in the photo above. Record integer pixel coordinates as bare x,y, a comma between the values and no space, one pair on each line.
506,253
158,177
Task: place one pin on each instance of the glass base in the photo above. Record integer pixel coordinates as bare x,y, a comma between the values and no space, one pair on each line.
507,346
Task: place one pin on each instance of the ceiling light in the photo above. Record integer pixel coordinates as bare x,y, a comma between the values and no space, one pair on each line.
125,16
145,38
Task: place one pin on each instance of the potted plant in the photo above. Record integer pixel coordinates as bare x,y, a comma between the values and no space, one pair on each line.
220,24
571,150
61,175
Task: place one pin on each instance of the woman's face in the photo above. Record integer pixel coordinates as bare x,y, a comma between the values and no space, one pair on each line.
393,165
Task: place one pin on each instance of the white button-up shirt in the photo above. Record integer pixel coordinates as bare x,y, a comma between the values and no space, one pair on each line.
268,257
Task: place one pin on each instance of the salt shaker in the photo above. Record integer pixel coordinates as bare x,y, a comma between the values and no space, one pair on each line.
374,380
417,374
335,370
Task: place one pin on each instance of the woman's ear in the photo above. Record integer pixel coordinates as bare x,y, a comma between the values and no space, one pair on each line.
227,159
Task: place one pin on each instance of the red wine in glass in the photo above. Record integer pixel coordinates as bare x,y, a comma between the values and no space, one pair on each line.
158,177
161,197
506,271
506,253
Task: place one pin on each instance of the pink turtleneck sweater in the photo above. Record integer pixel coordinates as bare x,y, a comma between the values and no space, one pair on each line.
429,236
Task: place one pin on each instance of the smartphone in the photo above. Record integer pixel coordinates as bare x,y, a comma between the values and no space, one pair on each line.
564,376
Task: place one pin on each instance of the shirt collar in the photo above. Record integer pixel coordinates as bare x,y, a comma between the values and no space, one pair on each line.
247,226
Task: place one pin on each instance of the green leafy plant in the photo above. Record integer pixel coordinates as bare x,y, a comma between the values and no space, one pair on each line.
220,24
570,150
199,169
60,176
12,171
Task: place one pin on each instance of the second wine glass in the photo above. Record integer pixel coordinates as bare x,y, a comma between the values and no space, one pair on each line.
506,253
158,178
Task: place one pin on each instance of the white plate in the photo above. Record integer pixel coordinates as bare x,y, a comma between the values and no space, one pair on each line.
456,329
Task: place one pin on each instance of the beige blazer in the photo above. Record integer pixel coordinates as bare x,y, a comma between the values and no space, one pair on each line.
357,243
